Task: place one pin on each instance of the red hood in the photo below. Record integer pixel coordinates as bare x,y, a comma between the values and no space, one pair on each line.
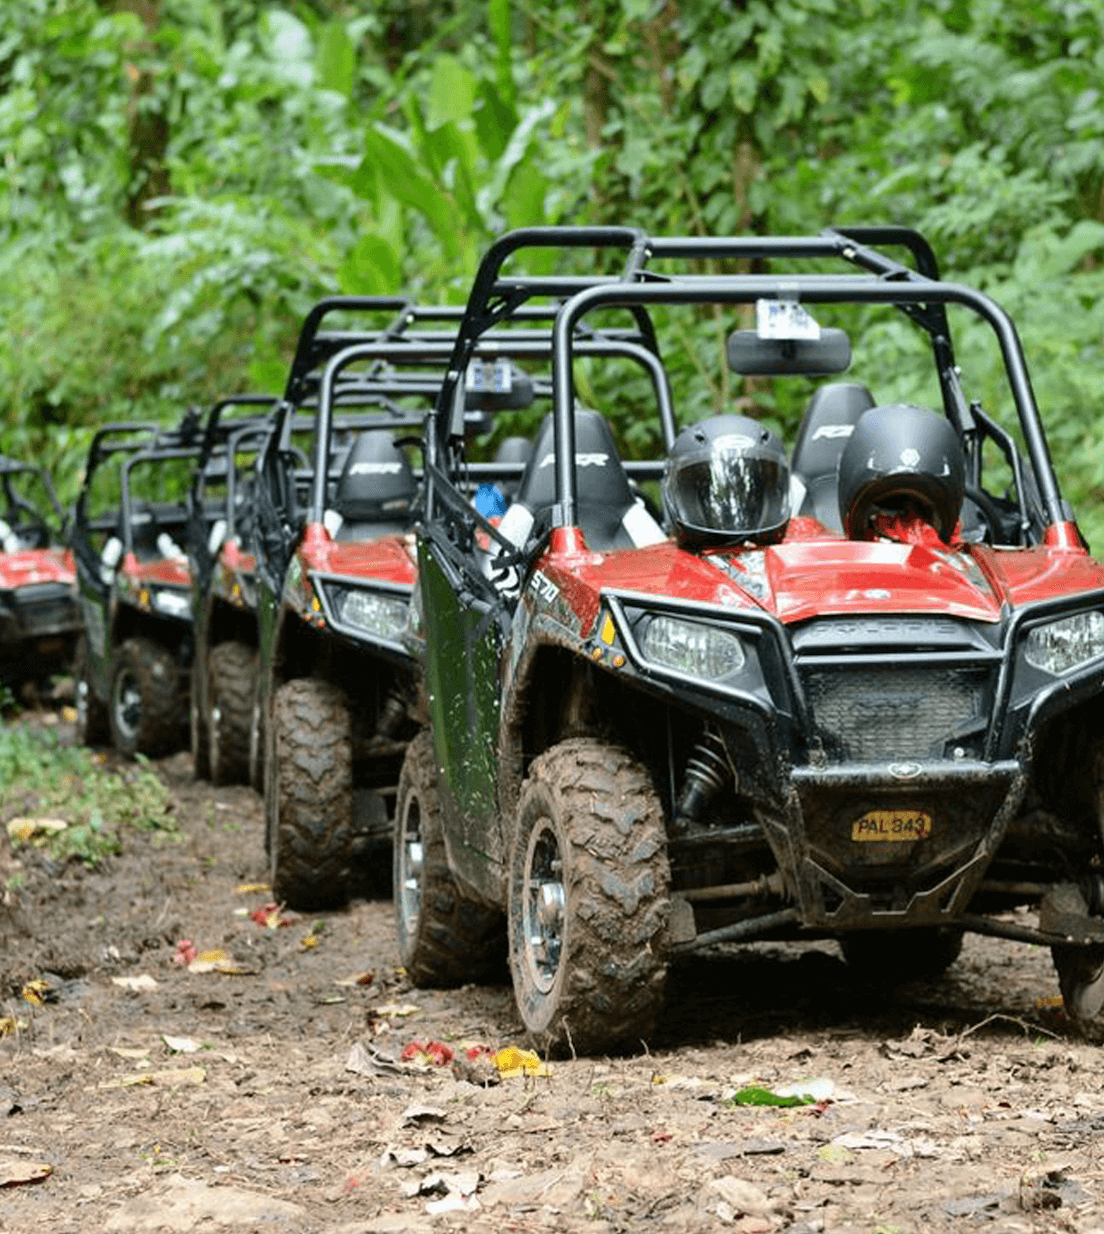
389,559
39,565
824,575
164,570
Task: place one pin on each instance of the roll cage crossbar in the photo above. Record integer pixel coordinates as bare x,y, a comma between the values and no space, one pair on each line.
438,353
916,291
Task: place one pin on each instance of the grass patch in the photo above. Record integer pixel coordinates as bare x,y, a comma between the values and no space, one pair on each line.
40,778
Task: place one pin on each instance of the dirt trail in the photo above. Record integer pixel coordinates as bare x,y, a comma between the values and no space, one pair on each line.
955,1105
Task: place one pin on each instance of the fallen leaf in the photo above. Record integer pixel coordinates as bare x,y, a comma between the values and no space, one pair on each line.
14,1173
272,917
180,1045
245,889
815,1088
37,993
142,982
429,1053
128,1051
187,1075
511,1062
24,830
364,1060
757,1095
216,961
9,1026
398,1010
422,1114
357,979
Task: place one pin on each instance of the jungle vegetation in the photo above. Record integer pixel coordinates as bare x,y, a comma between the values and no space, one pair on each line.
183,178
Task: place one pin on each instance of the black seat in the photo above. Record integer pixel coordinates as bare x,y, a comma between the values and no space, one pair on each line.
602,492
829,420
376,490
517,451
143,530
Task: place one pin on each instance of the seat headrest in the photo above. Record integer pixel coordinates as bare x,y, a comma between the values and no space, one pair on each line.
599,477
376,480
832,414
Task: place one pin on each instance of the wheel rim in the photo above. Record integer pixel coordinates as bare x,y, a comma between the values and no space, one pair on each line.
411,855
1086,990
214,740
542,906
128,706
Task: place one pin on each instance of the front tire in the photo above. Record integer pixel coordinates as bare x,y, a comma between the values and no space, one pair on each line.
308,795
1080,971
231,672
146,712
588,899
444,939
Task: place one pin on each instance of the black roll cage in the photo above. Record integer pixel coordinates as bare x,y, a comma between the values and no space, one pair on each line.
918,292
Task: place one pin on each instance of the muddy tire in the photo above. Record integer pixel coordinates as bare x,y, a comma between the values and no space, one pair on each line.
92,726
231,672
197,728
588,900
1080,972
308,795
891,957
444,938
146,711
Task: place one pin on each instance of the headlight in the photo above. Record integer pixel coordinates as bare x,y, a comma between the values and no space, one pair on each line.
1061,645
174,603
689,647
381,615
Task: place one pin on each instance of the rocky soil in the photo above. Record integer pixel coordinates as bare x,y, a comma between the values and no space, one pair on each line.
299,1083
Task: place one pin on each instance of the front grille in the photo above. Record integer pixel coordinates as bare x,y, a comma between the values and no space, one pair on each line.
871,713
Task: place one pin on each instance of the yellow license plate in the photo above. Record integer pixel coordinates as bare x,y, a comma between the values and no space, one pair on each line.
883,825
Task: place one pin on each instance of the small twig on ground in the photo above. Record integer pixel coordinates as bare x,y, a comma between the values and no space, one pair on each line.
1011,1019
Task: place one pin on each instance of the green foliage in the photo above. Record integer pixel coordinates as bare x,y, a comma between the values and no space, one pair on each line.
179,190
40,776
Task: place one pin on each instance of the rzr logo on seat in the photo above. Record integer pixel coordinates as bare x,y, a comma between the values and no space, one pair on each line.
374,469
832,431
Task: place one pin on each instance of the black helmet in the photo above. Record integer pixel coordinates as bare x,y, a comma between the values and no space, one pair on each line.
727,479
897,456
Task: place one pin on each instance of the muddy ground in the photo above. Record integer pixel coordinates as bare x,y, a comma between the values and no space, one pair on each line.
149,1096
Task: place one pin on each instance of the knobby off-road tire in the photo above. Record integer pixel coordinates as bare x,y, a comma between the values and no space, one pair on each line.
444,939
588,900
231,673
308,795
146,709
92,726
891,957
197,728
1080,972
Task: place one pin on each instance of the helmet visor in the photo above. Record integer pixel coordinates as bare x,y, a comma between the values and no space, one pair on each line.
732,493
